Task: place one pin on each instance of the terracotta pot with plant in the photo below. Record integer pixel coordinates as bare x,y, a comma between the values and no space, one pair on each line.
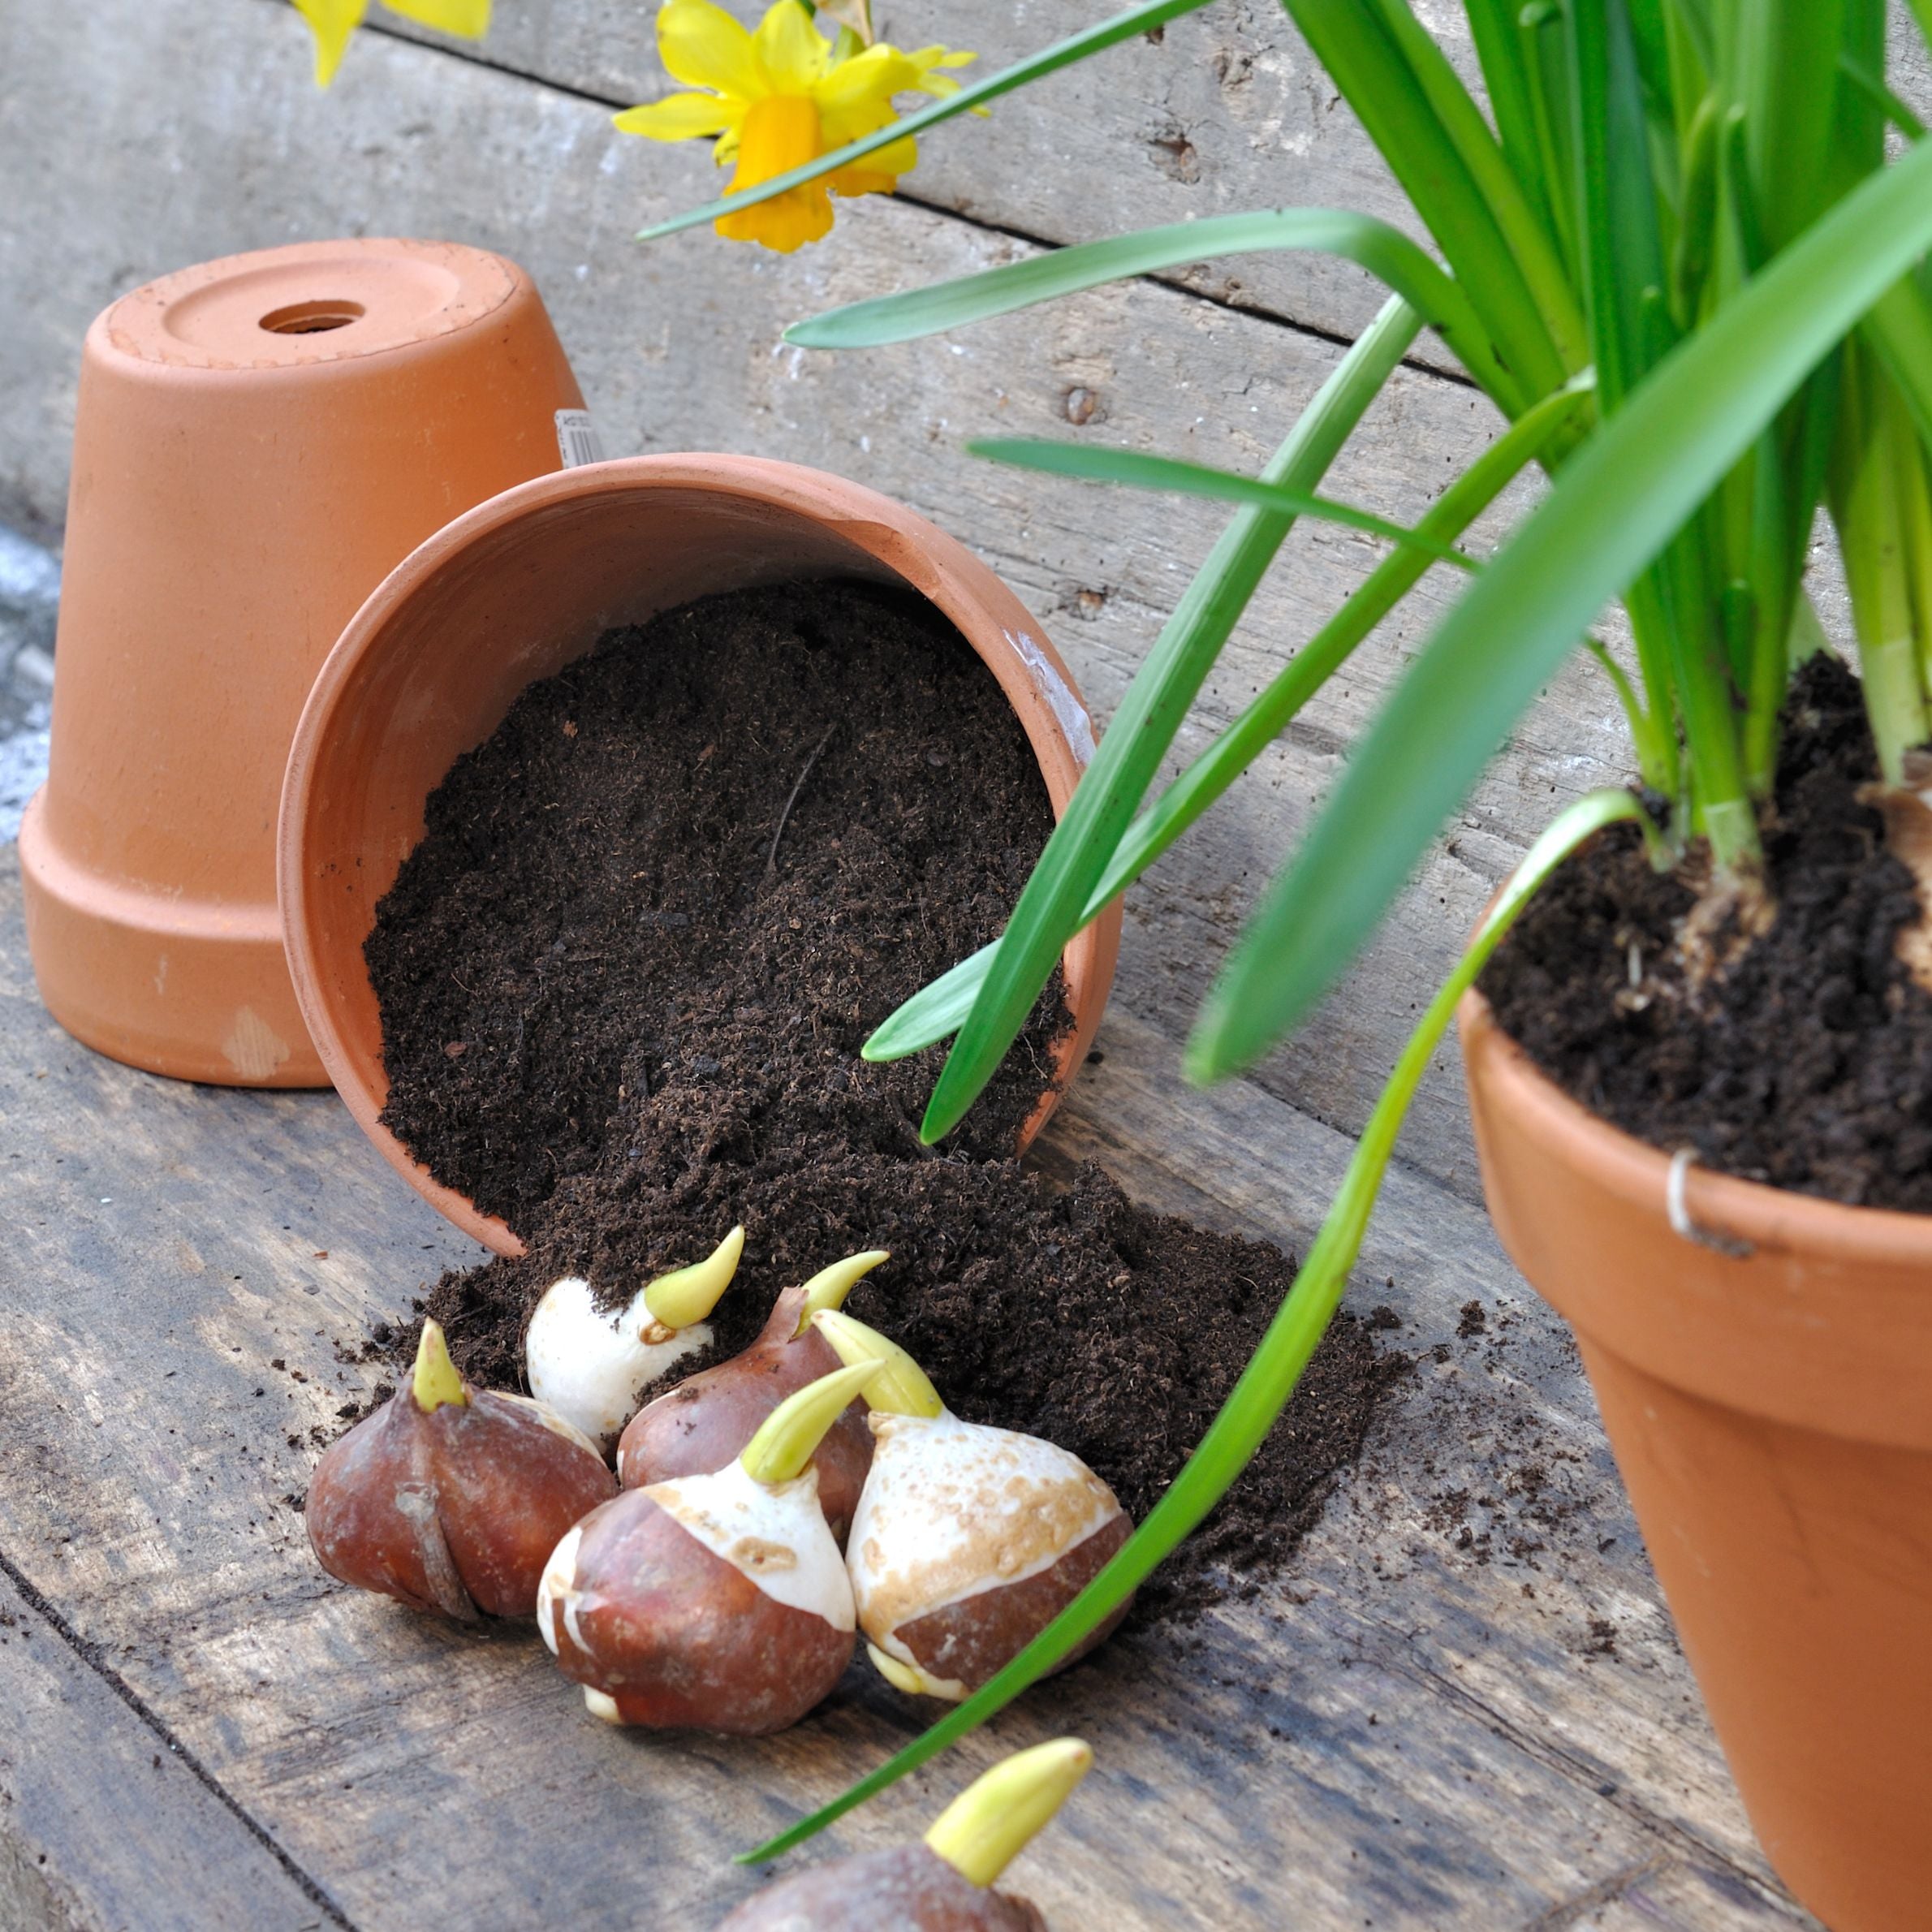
1682,264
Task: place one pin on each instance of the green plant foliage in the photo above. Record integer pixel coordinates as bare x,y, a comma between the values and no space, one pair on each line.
1386,254
1615,506
1149,714
939,1010
1139,471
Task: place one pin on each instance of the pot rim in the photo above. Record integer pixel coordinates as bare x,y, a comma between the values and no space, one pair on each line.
1723,1206
924,557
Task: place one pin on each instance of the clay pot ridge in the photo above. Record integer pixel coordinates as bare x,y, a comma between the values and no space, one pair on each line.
1762,1360
510,593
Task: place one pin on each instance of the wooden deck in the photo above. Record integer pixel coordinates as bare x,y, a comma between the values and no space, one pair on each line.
1464,1709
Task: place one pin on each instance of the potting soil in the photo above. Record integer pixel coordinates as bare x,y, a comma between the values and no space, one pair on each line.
624,979
1805,1060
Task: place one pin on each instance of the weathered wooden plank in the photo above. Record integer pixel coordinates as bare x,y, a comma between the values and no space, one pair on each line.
1394,1731
103,1827
110,116
1225,111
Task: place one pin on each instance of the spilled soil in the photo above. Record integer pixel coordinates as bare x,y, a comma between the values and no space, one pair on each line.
1805,1060
624,979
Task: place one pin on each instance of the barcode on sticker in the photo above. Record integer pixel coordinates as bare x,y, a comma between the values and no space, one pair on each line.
577,439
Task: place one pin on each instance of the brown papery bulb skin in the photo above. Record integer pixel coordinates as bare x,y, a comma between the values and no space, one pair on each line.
679,1639
707,1419
972,1641
455,1509
910,1888
969,1541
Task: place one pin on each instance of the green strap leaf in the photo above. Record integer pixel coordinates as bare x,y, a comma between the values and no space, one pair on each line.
940,1008
1615,504
1136,471
1900,329
1258,1399
1871,84
1062,54
1373,72
1386,252
1148,715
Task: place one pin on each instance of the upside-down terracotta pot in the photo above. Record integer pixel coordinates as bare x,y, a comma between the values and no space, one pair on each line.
1765,1374
257,443
514,591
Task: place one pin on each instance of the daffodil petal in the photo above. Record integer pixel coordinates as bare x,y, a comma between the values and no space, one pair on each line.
785,222
900,158
790,48
331,22
851,182
777,134
468,19
875,75
703,46
679,117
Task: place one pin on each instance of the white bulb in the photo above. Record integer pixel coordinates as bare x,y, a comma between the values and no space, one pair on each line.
588,1365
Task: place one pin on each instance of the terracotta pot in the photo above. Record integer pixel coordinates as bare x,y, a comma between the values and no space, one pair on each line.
1766,1384
258,441
515,590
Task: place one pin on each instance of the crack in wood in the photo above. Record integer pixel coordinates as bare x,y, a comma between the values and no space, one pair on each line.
89,1654
1605,1892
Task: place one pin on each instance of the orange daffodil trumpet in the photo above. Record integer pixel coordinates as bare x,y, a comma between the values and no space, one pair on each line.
332,21
779,98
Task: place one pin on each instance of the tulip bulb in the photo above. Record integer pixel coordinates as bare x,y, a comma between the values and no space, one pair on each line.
944,1883
450,1498
708,1419
968,1540
714,1602
588,1365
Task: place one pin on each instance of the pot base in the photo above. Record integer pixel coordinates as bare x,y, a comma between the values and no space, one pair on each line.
258,441
176,986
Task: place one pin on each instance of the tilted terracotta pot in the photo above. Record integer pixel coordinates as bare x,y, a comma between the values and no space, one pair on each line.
258,441
1766,1384
514,591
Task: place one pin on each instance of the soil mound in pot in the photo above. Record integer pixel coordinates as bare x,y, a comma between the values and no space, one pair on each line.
624,979
1806,1062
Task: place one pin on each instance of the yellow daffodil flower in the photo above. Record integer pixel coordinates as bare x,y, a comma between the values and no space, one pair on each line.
782,96
332,21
